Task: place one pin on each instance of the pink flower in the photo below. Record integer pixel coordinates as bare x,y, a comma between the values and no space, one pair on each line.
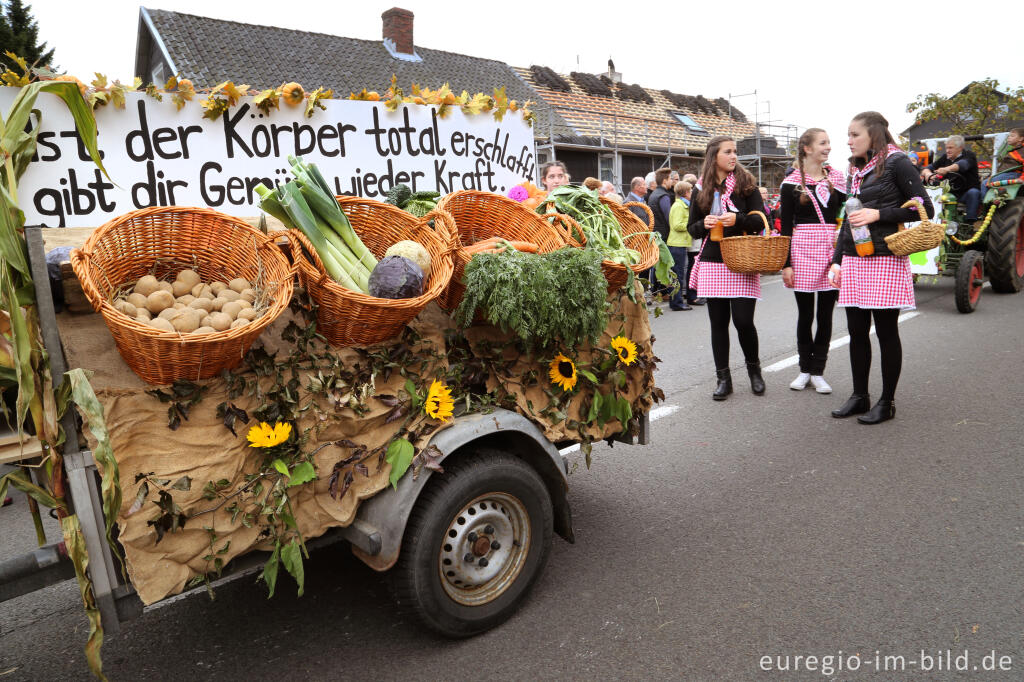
518,193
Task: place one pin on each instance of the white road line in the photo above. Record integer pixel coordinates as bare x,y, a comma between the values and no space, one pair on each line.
836,343
655,414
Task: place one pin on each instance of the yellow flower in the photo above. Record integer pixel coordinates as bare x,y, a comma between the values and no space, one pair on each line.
263,435
563,372
625,348
292,93
439,403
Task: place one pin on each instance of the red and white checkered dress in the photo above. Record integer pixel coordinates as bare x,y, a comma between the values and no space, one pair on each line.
810,251
714,280
877,282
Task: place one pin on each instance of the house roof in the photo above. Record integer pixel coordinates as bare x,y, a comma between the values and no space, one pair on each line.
944,127
211,51
629,116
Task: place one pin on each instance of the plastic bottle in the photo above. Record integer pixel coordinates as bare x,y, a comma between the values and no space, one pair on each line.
861,235
716,209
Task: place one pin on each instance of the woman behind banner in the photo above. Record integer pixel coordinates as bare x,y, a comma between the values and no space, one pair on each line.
810,199
879,285
728,294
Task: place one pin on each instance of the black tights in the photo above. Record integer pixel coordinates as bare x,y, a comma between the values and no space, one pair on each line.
742,312
813,348
858,320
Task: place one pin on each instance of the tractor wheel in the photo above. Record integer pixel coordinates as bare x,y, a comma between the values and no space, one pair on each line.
1004,259
970,276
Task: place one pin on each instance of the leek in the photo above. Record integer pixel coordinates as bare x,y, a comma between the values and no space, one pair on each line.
302,217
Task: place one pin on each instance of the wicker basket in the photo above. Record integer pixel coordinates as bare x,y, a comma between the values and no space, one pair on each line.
163,241
922,237
480,215
345,317
754,253
636,236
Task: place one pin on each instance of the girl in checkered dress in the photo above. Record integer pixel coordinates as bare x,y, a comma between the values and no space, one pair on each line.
729,294
880,285
810,199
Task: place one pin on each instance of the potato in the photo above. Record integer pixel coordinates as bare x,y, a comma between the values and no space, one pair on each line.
165,286
219,302
159,300
239,284
186,320
220,321
239,323
161,324
248,295
205,330
190,277
146,285
232,308
180,288
228,295
125,307
168,313
248,314
138,300
207,321
186,299
202,291
218,287
202,304
142,315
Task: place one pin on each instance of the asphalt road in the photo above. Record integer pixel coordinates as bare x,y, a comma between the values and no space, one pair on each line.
755,527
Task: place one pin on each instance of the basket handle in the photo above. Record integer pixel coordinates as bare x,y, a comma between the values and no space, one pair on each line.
269,243
566,227
452,242
767,227
80,265
650,214
297,241
916,203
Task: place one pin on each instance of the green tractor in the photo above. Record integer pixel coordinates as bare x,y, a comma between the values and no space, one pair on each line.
992,248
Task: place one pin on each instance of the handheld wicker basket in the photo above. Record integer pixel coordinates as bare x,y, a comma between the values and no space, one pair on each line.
345,317
754,253
922,237
480,215
164,241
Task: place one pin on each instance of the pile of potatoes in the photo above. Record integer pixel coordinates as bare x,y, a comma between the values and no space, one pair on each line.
190,306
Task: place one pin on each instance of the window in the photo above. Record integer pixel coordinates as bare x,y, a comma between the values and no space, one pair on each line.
690,124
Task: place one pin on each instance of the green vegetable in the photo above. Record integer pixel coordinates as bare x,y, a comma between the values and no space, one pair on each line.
398,195
543,298
418,203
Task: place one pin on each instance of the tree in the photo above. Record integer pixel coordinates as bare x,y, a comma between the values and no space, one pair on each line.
19,34
976,110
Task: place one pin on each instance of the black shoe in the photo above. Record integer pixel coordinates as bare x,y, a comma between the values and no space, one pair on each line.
857,403
697,301
883,411
680,307
756,381
724,387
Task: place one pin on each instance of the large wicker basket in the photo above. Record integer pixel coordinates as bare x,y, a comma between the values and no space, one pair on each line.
480,215
924,236
163,241
636,236
754,253
345,317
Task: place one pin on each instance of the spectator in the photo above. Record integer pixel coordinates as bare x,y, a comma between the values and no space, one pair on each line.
652,184
1010,158
965,163
554,174
637,195
592,183
660,203
679,240
690,178
770,211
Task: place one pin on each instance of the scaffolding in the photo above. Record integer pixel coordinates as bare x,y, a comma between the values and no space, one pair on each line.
774,142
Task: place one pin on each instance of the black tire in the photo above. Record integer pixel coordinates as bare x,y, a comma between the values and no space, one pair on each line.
1004,239
500,489
969,275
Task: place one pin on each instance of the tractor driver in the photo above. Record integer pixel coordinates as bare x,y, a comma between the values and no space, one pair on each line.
965,163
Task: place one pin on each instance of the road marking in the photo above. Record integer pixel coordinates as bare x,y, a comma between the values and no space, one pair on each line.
836,343
655,414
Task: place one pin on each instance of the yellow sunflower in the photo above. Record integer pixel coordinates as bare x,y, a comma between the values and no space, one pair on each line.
263,435
625,348
439,403
563,372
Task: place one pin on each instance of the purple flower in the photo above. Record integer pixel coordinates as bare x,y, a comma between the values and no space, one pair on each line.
518,193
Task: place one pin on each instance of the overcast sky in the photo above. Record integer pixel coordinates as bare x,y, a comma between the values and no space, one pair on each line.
813,63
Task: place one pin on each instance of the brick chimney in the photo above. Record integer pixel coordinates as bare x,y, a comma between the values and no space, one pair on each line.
398,29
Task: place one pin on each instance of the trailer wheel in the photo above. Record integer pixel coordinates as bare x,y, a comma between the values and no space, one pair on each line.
970,275
1004,259
476,541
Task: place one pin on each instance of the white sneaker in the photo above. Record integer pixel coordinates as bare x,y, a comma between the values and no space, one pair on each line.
819,383
800,383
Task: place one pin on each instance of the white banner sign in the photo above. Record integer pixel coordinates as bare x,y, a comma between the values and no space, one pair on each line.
158,156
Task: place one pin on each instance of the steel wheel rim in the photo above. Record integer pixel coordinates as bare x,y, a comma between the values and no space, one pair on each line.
469,582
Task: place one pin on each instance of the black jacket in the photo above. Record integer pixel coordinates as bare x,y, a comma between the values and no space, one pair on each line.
886,193
745,223
968,164
660,219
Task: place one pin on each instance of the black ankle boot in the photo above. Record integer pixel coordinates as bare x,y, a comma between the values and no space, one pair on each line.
756,382
724,387
883,411
855,404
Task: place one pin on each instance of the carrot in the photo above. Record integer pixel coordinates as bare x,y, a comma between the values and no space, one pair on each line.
525,247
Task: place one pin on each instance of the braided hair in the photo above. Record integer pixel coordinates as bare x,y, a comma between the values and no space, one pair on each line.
806,140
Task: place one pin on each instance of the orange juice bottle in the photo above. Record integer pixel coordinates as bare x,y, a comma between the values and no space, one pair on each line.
861,235
716,209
